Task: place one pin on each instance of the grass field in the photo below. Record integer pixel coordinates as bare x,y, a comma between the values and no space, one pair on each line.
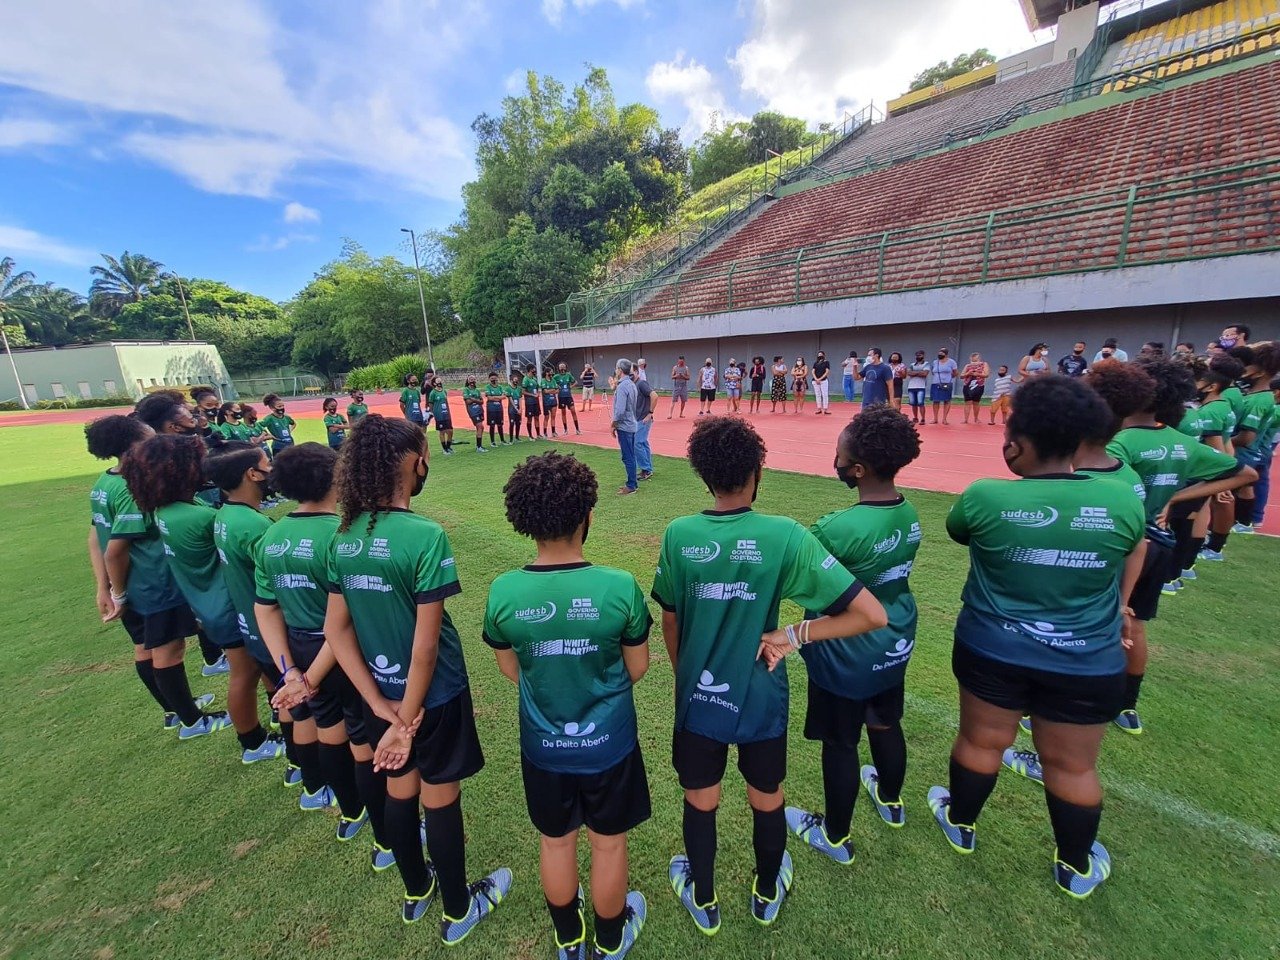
123,843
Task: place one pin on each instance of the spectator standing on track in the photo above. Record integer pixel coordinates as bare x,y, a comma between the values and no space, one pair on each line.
707,378
917,385
1074,363
850,367
642,369
1001,391
899,371
624,425
733,386
944,371
588,379
800,382
822,384
778,388
975,376
1034,365
1110,351
644,423
757,373
679,386
875,376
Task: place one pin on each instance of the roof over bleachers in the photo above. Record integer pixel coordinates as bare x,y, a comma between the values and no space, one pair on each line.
1045,13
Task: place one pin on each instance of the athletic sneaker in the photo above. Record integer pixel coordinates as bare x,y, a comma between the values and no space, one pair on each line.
812,829
322,799
348,828
707,916
1025,763
447,453
765,910
637,911
1214,555
218,666
1025,724
292,775
578,949
1189,574
415,907
962,838
1171,588
1129,722
383,859
891,813
486,894
172,721
1242,528
270,748
209,723
481,450
1079,885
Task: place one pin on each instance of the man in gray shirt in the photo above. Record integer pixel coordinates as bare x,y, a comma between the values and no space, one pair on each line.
624,425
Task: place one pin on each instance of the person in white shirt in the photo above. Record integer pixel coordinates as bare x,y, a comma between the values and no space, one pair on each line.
917,385
850,367
706,387
1110,351
640,371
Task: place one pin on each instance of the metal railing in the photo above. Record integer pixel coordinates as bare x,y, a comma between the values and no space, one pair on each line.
1216,212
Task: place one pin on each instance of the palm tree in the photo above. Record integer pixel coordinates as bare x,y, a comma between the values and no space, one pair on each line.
56,316
122,281
14,288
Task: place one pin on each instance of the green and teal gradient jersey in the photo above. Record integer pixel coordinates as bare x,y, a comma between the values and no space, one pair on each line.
1122,474
548,386
567,625
150,588
356,410
439,400
877,543
494,392
411,397
530,386
1259,415
384,574
1045,559
186,528
1213,419
564,385
234,431
471,396
1235,399
335,420
724,575
513,398
290,567
280,428
236,533
1167,460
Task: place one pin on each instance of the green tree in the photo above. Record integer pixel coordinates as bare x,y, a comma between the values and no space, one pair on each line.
123,281
721,152
57,316
14,289
961,65
773,131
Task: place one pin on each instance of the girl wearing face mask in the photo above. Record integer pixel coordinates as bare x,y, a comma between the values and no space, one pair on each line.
917,386
230,422
335,424
799,383
778,387
858,682
390,572
1034,364
899,371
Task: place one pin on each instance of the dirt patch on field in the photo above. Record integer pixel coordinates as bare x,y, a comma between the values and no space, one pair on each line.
73,669
173,894
105,953
241,849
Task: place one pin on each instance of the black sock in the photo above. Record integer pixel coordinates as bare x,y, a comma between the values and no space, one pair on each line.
290,748
492,433
253,739
700,848
1132,684
479,443
609,931
502,435
406,844
147,674
338,770
889,754
211,652
1217,541
373,794
769,838
173,686
969,791
840,787
1074,830
1188,550
447,843
1244,511
568,922
308,755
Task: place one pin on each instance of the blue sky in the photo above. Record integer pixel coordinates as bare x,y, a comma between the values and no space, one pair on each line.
243,139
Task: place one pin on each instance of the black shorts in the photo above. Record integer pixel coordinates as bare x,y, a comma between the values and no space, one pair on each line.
700,762
335,700
1156,571
897,387
531,406
832,718
567,404
609,803
493,415
973,391
513,415
446,747
707,395
476,413
152,630
757,384
1056,697
443,424
1185,508
549,404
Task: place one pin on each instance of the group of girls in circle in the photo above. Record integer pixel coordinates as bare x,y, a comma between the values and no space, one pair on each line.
338,610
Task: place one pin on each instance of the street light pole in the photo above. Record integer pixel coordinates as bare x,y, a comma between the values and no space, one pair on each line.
22,394
185,312
422,297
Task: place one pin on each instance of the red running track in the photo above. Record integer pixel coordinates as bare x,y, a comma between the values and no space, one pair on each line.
952,455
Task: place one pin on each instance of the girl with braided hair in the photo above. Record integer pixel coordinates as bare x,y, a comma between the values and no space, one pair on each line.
389,573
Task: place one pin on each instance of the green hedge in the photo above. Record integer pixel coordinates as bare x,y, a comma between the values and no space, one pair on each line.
71,404
387,375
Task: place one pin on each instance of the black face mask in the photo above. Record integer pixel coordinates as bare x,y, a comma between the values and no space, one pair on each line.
267,485
845,475
420,482
1078,353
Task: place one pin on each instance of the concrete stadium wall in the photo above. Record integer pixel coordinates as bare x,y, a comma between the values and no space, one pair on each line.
113,369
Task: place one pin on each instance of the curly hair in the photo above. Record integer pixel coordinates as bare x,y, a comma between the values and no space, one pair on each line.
1266,357
198,392
226,465
1125,387
163,469
882,439
224,412
550,495
369,463
1054,412
1174,387
158,409
726,452
304,472
112,436
270,400
1223,369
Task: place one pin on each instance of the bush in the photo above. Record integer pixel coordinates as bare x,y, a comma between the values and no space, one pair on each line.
70,403
388,375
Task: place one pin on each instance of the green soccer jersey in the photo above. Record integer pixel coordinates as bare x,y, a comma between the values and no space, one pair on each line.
335,420
280,428
150,587
494,393
439,400
356,410
564,385
383,575
547,385
1259,412
724,575
471,395
568,625
530,386
1122,474
877,543
1235,399
1016,611
290,567
411,397
513,398
1167,460
234,431
1214,419
236,533
187,532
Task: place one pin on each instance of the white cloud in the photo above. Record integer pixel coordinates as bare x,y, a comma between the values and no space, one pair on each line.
295,212
815,58
20,132
236,100
554,10
20,243
269,244
691,85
